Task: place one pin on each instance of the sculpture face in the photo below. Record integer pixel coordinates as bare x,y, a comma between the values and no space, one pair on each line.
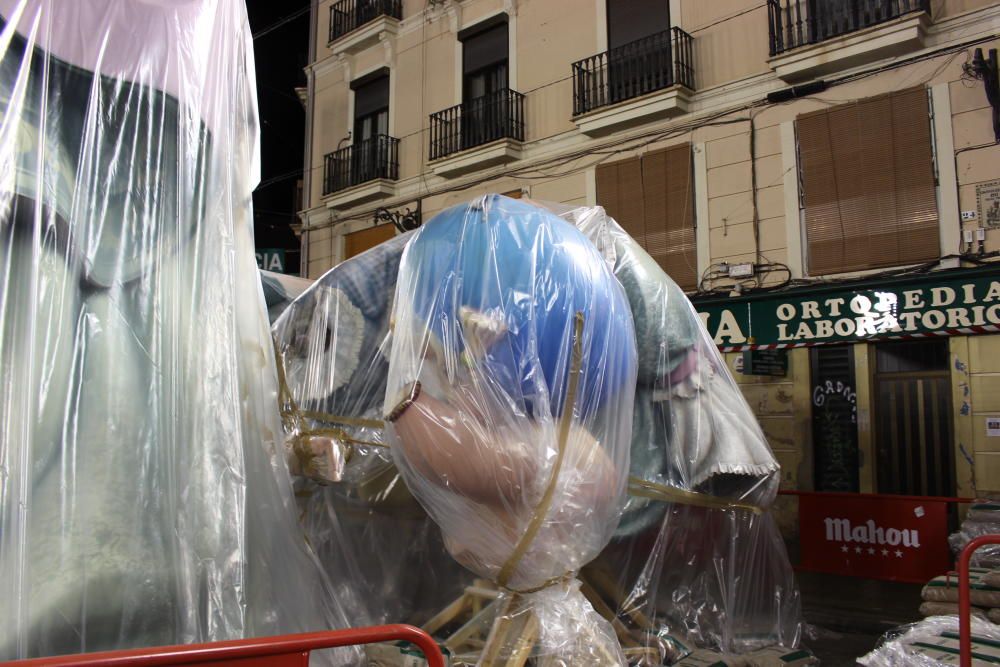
503,425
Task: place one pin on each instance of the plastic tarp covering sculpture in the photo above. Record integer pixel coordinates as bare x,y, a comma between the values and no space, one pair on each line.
696,560
509,401
378,546
280,290
143,495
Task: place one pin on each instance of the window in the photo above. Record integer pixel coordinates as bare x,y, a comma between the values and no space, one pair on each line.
486,106
868,184
484,60
652,198
356,243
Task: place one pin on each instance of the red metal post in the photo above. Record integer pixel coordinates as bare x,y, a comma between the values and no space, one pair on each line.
964,605
283,650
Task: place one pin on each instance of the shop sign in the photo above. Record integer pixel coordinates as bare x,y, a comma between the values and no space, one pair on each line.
946,303
773,363
271,259
897,538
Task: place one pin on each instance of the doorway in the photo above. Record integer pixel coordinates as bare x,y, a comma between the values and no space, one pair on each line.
913,424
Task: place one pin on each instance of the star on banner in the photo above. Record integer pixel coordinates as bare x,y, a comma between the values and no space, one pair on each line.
857,550
899,554
871,552
844,549
885,552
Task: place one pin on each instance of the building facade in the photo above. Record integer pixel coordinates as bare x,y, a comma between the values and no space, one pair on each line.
821,176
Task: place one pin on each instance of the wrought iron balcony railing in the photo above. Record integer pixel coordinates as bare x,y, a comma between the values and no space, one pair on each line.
643,66
795,23
377,157
497,115
348,15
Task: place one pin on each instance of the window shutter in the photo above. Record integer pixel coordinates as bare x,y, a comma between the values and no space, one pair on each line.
668,189
868,181
371,96
484,48
357,242
630,20
652,199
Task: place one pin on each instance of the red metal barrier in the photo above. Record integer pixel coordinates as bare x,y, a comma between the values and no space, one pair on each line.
964,604
283,651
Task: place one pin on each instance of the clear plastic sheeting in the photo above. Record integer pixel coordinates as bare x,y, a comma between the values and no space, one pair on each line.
144,497
696,559
934,642
280,290
333,344
383,553
509,410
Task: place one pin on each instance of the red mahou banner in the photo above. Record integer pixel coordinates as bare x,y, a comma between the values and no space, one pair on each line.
898,538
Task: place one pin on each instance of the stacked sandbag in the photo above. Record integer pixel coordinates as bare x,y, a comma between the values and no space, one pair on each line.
940,594
934,641
983,519
992,579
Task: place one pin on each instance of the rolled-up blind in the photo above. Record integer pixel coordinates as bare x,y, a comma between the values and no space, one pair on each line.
652,199
484,48
868,184
371,96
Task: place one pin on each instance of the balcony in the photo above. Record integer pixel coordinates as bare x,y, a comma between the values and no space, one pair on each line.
361,172
358,24
655,73
479,133
809,38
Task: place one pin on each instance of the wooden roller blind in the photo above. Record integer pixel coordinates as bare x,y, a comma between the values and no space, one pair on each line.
357,242
868,184
652,198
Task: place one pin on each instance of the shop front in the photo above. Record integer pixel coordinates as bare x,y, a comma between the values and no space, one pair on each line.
884,390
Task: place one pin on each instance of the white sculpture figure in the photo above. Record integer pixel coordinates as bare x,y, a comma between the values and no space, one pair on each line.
143,495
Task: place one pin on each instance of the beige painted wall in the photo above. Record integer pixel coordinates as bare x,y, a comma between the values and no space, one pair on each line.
731,45
730,39
976,395
783,408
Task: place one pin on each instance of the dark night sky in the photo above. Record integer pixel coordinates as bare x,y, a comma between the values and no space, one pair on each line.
280,55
